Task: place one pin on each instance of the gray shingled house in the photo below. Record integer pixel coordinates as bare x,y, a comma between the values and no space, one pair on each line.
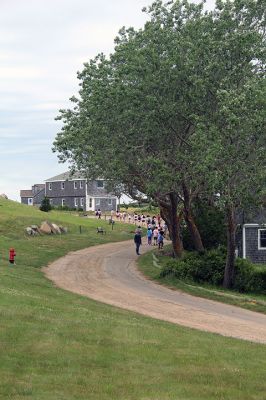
34,196
251,238
75,191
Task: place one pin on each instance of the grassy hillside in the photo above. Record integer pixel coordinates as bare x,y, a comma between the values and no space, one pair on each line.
57,345
15,217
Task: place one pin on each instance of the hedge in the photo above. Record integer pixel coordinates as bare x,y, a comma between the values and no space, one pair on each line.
209,268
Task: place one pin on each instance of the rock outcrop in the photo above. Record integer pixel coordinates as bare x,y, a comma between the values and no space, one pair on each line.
46,228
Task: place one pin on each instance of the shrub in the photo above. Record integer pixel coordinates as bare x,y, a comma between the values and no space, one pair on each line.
45,205
249,278
210,222
66,208
206,267
209,268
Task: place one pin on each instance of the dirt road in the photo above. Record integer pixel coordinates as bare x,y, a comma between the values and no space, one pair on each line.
108,273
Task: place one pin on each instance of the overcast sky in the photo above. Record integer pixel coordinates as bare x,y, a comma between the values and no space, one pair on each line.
43,43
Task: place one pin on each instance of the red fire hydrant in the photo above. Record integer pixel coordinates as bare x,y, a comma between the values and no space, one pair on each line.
12,255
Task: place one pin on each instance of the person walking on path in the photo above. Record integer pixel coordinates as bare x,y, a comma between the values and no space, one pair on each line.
160,240
155,236
138,241
149,236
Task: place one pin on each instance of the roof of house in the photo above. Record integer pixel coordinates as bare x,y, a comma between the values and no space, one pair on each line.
26,193
31,193
66,176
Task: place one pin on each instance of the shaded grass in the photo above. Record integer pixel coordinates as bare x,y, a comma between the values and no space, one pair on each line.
57,345
151,269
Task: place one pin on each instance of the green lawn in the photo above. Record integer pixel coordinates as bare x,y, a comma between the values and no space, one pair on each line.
57,345
151,263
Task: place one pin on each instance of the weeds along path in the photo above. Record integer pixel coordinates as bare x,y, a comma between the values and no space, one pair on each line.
108,273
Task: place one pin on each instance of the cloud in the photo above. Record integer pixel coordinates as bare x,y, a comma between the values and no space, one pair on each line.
15,73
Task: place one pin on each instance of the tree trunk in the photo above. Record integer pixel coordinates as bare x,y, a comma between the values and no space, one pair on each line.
189,218
169,214
229,272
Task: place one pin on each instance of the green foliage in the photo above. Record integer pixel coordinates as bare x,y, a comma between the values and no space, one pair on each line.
250,278
45,206
66,208
209,268
179,103
204,268
210,221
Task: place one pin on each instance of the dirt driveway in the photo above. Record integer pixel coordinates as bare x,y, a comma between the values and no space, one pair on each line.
108,273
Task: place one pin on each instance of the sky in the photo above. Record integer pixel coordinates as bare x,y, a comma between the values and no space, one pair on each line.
43,43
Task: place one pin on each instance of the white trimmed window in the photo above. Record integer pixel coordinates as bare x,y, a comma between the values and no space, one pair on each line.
100,184
262,239
30,201
82,202
50,186
76,202
97,202
81,184
75,185
110,202
62,185
90,202
63,202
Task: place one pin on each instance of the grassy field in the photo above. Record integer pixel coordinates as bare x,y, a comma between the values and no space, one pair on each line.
57,345
151,263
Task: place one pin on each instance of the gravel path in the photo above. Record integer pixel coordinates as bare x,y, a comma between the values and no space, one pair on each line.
108,274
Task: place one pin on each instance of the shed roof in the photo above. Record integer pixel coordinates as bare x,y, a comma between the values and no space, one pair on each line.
26,193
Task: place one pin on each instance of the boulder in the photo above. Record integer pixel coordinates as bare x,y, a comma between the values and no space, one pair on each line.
35,229
46,228
4,196
56,228
29,231
63,229
52,228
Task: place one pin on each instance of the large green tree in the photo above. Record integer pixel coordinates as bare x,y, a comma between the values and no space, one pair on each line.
155,115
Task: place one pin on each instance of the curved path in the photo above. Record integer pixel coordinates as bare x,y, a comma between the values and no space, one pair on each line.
108,274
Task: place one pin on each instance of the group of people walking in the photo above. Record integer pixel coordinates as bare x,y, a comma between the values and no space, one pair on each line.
155,230
155,237
137,219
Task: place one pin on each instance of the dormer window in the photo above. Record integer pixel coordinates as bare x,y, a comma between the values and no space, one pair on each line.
50,186
75,185
81,184
100,184
62,185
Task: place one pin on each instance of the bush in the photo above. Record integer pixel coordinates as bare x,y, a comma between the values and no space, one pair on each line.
66,208
249,278
45,205
209,268
210,223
